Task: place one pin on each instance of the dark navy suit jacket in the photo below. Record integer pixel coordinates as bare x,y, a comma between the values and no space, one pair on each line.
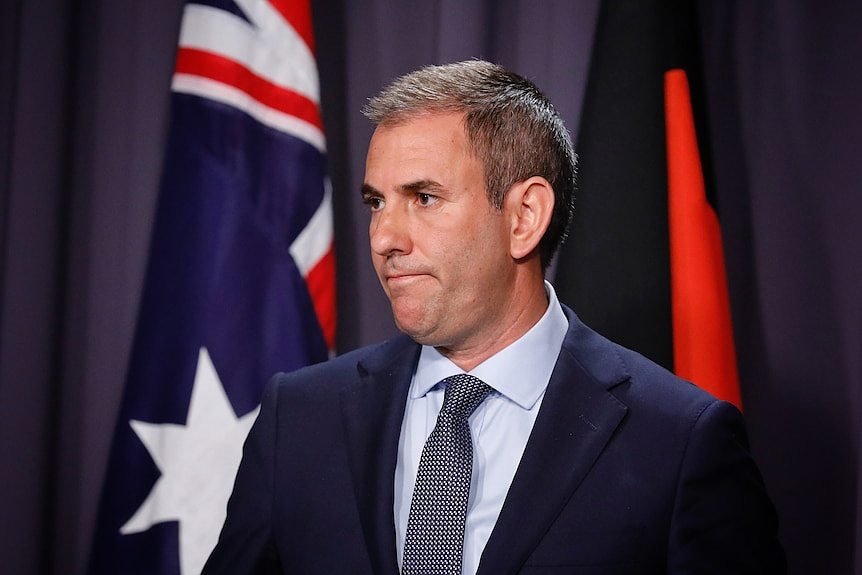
628,470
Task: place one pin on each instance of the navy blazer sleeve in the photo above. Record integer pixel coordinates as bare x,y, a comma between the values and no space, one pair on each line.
723,521
246,545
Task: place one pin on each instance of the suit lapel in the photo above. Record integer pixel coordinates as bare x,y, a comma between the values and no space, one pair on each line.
373,408
576,420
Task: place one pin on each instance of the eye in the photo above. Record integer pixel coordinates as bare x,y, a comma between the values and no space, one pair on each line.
425,199
375,203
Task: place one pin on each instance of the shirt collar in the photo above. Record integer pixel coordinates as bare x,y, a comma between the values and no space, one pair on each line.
520,371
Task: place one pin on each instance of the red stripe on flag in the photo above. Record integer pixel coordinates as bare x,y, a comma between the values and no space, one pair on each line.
208,65
299,16
321,285
702,332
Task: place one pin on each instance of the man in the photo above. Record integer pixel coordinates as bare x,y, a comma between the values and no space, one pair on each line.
557,452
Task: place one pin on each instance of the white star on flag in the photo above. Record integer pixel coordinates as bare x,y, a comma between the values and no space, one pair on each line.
198,462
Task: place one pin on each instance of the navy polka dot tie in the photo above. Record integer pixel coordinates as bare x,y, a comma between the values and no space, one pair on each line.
434,541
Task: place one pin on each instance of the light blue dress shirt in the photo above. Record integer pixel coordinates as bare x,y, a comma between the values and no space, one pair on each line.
500,426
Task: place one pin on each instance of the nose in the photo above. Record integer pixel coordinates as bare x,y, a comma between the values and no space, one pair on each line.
389,232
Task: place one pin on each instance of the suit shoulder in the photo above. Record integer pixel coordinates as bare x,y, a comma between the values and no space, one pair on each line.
642,385
656,393
331,376
658,384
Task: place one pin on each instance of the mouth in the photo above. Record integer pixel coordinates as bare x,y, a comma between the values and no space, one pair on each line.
402,280
397,278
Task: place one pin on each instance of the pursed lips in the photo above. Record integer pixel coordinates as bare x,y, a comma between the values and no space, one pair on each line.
403,279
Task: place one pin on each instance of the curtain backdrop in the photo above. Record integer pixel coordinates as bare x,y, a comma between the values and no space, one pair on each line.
83,113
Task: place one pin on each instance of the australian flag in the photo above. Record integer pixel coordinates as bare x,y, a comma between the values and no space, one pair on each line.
240,283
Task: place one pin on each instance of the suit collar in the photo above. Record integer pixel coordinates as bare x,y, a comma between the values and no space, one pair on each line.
576,421
599,358
373,408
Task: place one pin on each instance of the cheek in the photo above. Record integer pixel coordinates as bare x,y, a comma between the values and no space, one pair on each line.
487,248
470,249
474,262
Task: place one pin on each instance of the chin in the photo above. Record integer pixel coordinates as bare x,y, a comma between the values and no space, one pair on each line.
415,328
416,331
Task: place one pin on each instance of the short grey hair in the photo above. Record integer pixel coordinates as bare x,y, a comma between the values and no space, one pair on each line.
510,125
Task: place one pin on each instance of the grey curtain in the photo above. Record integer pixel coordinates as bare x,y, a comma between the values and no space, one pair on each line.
85,86
84,95
785,81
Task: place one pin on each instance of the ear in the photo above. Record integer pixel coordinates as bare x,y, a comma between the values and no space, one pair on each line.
528,205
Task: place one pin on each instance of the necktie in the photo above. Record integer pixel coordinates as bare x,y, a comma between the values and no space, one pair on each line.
434,541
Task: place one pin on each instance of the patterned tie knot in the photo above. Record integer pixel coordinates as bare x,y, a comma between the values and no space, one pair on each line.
463,394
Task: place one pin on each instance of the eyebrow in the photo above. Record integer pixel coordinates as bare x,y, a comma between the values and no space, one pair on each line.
422,186
416,187
368,190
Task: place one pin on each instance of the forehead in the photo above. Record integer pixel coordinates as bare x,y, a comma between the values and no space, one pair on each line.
427,139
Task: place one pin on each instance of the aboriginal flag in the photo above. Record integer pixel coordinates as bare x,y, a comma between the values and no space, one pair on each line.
644,263
240,282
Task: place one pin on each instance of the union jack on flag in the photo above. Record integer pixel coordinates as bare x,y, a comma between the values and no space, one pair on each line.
239,286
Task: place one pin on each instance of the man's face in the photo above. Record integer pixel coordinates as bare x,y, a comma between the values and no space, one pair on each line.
440,249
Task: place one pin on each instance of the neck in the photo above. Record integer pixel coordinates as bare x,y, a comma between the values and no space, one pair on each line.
525,308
